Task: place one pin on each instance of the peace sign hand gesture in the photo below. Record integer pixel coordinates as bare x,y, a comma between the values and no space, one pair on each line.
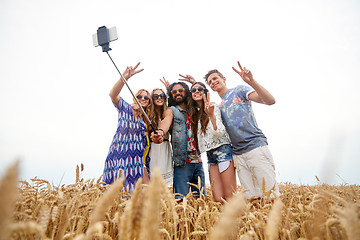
165,82
187,78
245,74
208,106
131,71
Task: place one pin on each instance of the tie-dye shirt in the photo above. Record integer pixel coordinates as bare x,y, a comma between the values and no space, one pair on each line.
239,120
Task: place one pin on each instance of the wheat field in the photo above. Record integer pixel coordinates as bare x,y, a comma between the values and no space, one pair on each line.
89,210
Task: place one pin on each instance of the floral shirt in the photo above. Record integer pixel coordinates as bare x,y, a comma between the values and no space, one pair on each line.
192,153
239,120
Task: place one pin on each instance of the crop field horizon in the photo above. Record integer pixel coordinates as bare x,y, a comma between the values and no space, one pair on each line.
87,209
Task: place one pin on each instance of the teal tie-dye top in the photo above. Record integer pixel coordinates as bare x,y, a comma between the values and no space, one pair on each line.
239,120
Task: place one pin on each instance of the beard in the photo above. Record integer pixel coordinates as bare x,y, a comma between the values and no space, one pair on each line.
180,100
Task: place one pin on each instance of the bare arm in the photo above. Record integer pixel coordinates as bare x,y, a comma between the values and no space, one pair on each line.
163,127
209,110
165,124
116,89
261,95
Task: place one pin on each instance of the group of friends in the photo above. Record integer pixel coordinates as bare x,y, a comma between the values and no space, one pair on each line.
188,124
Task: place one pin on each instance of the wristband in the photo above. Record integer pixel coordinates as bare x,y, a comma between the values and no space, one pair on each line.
162,131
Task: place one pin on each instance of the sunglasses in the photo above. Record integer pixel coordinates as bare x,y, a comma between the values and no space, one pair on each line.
173,92
199,89
146,97
156,96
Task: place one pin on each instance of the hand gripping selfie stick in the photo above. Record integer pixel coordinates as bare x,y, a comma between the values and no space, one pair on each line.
102,38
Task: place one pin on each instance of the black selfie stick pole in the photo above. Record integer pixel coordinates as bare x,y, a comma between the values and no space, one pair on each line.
104,42
124,80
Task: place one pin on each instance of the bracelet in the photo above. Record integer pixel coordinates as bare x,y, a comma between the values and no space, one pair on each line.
162,131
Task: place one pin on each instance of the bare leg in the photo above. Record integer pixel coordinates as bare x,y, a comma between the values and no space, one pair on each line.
215,178
146,179
228,180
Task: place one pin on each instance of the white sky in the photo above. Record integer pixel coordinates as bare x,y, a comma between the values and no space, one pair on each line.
54,85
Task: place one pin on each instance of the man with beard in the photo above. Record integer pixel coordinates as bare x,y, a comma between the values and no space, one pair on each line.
185,154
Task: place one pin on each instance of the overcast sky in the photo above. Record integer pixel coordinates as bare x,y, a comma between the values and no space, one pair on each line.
54,85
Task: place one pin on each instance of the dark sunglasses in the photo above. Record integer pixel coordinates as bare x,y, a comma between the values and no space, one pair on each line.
173,92
146,97
156,96
200,89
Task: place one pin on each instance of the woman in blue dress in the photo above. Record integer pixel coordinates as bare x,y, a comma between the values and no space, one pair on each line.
130,144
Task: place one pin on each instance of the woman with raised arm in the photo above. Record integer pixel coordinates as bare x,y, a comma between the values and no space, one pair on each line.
160,154
212,139
130,144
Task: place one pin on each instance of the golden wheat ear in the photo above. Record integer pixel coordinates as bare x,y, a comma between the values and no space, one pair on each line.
348,215
129,221
226,224
150,223
274,221
102,206
8,196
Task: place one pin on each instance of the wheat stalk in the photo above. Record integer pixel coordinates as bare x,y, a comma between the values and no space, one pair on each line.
68,211
224,228
103,204
8,196
77,174
127,220
151,220
170,217
350,220
274,221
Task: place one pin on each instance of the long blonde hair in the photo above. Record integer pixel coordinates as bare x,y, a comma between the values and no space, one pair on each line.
147,109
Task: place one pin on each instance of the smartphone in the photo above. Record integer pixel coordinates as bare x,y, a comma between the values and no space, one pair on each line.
112,36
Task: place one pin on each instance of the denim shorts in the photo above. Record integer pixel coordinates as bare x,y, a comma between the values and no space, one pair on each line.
219,154
189,173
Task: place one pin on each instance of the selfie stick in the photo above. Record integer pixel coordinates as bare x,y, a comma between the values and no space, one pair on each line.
103,39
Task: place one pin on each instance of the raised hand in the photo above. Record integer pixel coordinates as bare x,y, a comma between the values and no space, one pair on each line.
208,106
131,71
165,82
135,107
244,73
187,78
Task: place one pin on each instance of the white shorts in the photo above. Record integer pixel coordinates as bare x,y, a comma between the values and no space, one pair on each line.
254,166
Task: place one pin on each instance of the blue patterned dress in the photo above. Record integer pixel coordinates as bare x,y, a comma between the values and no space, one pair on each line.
125,157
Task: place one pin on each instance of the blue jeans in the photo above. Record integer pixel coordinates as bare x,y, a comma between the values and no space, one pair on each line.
189,173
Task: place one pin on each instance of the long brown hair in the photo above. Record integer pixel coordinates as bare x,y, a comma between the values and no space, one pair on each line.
147,109
197,113
171,100
154,117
